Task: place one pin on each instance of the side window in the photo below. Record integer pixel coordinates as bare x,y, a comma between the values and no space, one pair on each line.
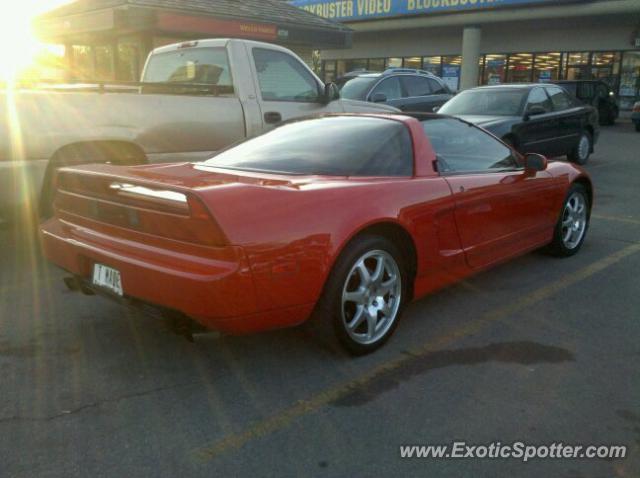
436,87
560,99
539,98
461,147
390,88
416,86
283,78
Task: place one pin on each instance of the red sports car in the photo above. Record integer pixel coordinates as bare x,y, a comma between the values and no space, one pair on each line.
345,218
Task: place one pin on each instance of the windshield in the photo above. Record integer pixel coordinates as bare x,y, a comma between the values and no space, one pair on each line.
486,102
333,146
208,66
357,88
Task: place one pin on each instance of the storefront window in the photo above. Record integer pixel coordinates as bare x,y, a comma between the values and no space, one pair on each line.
394,62
520,68
451,71
82,62
357,64
547,67
377,64
578,66
578,58
128,62
629,79
432,64
104,63
329,71
494,69
413,62
605,66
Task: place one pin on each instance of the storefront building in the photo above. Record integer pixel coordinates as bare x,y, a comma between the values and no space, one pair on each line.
477,42
108,40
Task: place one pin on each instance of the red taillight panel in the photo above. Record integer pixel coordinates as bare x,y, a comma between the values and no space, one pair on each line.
147,209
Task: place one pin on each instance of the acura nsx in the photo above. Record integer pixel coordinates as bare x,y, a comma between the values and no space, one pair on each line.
339,218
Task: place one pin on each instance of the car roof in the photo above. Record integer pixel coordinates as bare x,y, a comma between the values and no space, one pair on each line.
394,71
508,86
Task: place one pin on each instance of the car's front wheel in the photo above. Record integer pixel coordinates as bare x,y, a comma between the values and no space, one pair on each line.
572,225
582,150
365,294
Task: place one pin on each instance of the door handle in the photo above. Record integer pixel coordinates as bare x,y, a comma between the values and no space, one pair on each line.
272,117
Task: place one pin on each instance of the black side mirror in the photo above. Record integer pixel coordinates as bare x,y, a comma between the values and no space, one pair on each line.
534,111
534,162
331,92
379,98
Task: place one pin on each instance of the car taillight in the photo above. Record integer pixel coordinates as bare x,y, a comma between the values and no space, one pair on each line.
147,209
636,108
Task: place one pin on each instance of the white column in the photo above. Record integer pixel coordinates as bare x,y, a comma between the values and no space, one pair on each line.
471,37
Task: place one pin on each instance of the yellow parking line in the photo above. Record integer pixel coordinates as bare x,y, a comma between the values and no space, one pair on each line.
628,220
316,402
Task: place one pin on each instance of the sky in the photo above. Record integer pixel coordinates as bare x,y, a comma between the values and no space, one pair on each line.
17,43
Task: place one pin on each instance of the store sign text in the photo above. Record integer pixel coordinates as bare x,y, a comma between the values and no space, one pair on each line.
350,10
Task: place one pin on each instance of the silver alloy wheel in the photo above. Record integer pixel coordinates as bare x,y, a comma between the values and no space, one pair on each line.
371,297
574,220
584,147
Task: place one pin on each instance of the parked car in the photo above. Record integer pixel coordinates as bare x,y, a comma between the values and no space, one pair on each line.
533,118
345,218
403,88
635,115
597,94
195,98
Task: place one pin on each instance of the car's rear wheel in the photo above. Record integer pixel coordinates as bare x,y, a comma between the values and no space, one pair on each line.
365,294
582,150
638,126
573,223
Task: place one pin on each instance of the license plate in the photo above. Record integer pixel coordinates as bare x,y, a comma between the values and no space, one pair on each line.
107,278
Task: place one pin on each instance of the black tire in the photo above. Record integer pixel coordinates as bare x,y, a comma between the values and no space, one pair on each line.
330,315
579,155
559,246
638,127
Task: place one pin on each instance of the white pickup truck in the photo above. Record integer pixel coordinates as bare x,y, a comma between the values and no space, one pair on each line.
194,99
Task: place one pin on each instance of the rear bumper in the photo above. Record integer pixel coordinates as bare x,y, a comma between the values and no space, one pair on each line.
215,287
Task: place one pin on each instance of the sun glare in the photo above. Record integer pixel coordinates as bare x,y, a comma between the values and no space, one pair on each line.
18,45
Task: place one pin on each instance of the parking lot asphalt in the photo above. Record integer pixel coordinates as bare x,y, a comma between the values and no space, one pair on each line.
538,350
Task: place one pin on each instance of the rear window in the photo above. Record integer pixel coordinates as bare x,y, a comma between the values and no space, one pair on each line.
205,66
332,146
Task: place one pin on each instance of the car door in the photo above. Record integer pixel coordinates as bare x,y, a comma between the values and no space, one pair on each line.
536,133
569,113
287,88
500,209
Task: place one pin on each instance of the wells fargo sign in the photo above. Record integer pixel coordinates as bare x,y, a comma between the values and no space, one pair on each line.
214,26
